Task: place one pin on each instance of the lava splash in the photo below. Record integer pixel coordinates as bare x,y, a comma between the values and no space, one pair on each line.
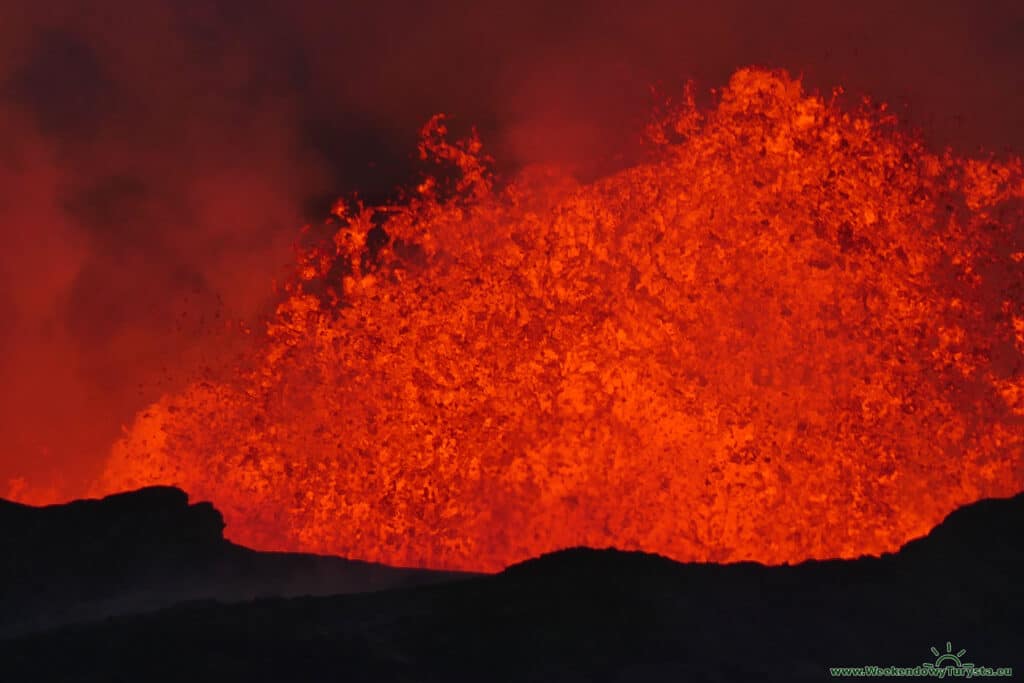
794,332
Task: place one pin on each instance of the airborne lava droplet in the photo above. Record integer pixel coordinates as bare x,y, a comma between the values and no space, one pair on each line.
771,341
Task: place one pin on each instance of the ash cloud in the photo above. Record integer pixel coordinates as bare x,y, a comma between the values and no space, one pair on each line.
156,159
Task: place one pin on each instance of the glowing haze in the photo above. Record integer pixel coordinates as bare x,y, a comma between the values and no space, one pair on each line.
791,332
157,157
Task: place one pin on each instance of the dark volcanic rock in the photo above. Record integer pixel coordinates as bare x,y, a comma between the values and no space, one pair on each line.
112,535
591,615
148,549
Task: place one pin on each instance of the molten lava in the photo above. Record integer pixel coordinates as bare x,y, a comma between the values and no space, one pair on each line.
793,333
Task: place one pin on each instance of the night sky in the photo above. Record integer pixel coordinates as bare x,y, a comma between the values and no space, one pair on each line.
158,158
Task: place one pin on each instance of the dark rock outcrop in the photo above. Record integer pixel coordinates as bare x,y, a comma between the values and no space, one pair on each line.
147,549
591,615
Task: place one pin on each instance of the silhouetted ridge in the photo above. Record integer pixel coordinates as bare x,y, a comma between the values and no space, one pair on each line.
573,560
587,615
148,549
991,527
154,523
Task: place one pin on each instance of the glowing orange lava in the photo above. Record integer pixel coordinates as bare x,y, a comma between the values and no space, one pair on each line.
793,333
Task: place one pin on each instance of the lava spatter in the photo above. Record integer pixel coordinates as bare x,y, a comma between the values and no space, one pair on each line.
794,332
